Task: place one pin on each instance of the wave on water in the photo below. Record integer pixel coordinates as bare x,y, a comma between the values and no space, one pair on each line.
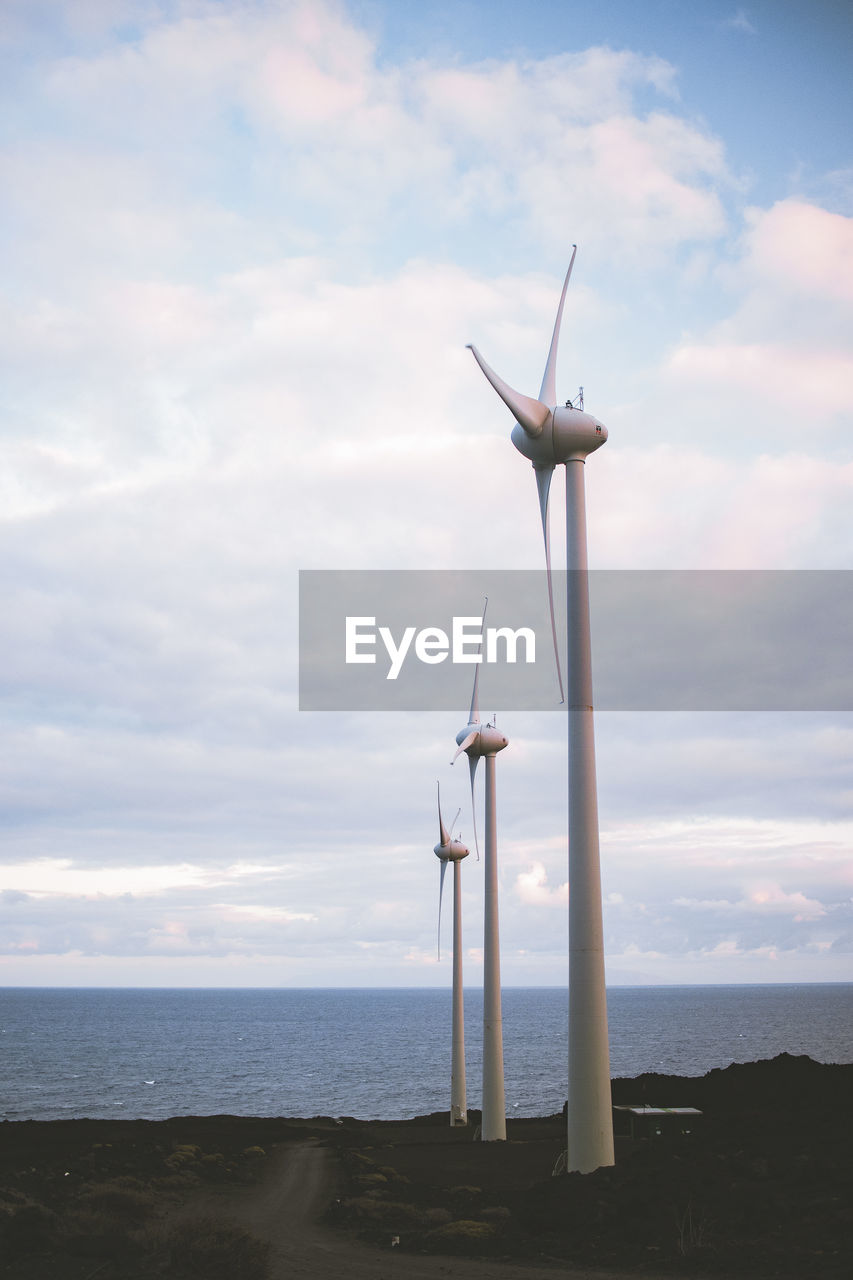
370,1053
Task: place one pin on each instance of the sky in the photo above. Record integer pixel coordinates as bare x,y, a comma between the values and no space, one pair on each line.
244,246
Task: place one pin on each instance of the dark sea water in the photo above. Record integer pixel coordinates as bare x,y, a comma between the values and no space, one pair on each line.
369,1053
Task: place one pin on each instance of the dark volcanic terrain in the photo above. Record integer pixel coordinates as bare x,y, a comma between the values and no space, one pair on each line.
761,1187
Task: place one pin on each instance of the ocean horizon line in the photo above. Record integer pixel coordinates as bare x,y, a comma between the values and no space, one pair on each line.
469,987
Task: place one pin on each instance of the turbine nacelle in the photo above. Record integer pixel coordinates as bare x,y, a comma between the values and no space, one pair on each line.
480,740
447,850
567,434
455,851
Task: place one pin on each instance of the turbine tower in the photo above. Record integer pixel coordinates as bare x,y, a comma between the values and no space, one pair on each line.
478,740
449,850
547,434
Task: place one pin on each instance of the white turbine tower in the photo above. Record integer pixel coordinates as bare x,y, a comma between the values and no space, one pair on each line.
548,434
450,850
478,740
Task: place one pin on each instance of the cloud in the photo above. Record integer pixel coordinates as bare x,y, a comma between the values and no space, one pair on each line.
779,366
647,179
676,506
245,249
250,912
50,878
533,890
56,877
765,898
740,21
306,137
780,373
801,248
726,887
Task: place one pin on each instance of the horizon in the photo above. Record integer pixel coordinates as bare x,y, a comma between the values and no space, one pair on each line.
611,986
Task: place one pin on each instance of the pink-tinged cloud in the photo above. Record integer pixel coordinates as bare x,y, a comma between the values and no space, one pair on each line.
533,890
794,379
801,248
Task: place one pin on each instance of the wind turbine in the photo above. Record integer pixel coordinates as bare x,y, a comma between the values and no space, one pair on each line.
485,741
547,434
449,850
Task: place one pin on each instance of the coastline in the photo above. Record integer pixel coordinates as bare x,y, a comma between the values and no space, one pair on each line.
758,1188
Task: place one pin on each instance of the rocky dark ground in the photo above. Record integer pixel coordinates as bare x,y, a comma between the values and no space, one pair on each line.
99,1198
761,1187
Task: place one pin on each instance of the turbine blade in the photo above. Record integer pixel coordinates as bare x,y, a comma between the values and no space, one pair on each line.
543,483
465,744
548,392
440,892
473,761
474,714
443,837
530,414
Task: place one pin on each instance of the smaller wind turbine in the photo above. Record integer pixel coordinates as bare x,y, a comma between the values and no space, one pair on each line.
485,740
450,850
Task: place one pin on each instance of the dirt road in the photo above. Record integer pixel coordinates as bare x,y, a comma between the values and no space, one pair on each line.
285,1209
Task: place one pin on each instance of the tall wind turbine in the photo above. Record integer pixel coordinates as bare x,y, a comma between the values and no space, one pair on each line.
485,741
450,850
547,434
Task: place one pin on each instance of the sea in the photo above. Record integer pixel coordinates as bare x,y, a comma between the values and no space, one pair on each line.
153,1053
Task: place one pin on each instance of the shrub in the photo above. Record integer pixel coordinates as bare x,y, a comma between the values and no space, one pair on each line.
498,1215
391,1214
462,1236
27,1228
91,1232
186,1153
371,1181
215,1166
122,1201
437,1217
210,1249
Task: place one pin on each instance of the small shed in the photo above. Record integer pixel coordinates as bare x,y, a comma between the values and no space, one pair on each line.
644,1123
